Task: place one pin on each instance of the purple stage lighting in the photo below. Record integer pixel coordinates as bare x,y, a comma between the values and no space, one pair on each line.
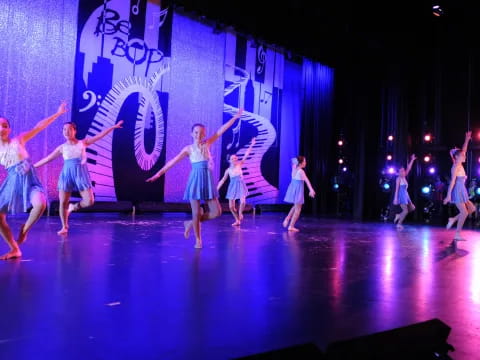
431,170
391,170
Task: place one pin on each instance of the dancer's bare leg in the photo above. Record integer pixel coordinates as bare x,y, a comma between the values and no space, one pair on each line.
6,233
465,210
402,216
88,199
296,215
241,208
39,204
64,198
233,210
195,222
288,217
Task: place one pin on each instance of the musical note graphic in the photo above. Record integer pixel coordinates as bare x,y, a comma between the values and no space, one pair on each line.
135,9
161,16
267,96
91,97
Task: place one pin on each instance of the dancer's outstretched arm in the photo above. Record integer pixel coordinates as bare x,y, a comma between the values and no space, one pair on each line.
468,136
54,154
93,139
182,154
249,150
410,164
42,124
224,127
222,181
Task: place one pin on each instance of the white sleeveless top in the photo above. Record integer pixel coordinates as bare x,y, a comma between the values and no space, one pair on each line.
235,171
199,154
403,181
298,174
12,153
74,151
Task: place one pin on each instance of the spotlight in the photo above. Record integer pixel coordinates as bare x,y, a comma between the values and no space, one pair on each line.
384,184
340,143
391,170
340,161
431,170
427,138
427,158
426,190
390,138
344,169
477,191
336,186
437,10
389,157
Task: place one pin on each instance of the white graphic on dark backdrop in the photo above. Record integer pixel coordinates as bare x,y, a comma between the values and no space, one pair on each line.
123,51
253,78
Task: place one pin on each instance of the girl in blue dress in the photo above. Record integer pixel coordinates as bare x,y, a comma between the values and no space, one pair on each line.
294,194
200,185
237,189
21,189
401,196
74,175
457,192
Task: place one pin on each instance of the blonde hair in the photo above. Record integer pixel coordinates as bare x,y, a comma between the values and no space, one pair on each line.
454,153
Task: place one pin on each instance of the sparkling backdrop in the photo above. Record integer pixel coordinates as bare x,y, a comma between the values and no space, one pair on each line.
37,47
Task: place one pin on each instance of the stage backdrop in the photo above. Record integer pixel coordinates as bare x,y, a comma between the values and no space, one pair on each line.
158,71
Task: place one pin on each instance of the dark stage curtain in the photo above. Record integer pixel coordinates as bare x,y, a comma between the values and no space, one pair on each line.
316,130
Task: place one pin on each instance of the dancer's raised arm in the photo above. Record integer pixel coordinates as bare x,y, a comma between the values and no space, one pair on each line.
224,127
42,124
93,139
182,154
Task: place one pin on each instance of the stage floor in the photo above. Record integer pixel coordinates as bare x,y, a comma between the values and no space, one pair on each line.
123,287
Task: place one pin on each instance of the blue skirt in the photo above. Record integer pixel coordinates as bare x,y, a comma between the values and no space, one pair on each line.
200,185
17,188
294,193
459,191
74,176
237,188
403,198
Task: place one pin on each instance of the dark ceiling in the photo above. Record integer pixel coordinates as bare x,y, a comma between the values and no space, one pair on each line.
330,31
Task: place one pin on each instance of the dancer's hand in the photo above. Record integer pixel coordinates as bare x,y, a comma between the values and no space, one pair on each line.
62,109
153,178
413,157
468,135
118,125
446,200
311,193
239,113
254,140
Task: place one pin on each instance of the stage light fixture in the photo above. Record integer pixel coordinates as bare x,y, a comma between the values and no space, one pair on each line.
437,10
336,186
391,170
344,169
340,161
340,143
477,190
389,157
426,190
431,170
427,158
427,138
386,186
390,138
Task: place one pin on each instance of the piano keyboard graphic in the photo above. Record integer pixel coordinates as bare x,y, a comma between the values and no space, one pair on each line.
260,191
99,155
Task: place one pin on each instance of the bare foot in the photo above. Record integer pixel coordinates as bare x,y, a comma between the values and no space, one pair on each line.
22,236
240,217
459,237
291,228
399,227
198,244
62,231
450,223
285,222
71,208
188,226
236,223
12,254
397,217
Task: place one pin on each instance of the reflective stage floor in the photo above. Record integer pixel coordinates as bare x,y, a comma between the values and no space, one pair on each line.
123,287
